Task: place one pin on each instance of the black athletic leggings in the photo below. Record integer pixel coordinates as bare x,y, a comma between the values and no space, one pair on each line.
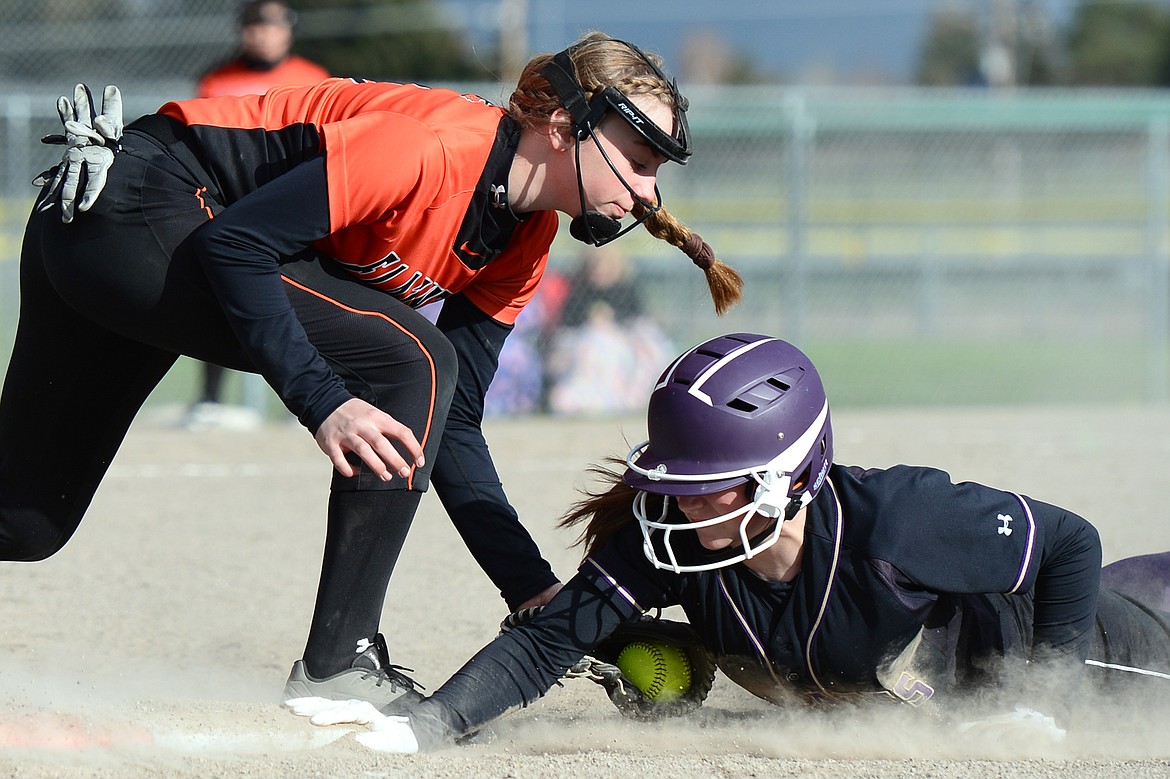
109,302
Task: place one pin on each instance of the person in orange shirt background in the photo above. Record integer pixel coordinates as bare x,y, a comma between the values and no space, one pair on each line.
265,57
264,60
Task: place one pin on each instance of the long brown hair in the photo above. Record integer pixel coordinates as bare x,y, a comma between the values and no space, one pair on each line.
604,511
601,61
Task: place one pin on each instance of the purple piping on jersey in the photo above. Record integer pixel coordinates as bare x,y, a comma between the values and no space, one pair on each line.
1028,547
828,587
614,583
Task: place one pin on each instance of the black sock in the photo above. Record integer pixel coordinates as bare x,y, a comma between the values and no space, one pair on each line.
365,534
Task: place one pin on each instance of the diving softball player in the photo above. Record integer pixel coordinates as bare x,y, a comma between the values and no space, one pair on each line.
293,234
804,578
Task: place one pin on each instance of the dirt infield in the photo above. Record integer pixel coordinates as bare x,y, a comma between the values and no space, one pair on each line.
157,642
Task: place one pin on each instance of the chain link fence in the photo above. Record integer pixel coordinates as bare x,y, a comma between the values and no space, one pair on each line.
925,247
170,42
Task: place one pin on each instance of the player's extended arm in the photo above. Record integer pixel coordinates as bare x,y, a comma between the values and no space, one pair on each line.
465,476
524,663
240,251
514,670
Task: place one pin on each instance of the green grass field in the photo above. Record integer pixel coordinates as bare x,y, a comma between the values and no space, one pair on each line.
868,374
874,374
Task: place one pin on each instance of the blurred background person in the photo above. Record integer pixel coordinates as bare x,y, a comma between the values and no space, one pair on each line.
521,384
600,356
265,57
263,60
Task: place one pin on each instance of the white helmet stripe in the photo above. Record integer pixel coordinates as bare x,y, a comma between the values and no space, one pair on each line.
696,386
794,454
669,372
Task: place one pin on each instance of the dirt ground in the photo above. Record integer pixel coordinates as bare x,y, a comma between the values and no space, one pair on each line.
156,643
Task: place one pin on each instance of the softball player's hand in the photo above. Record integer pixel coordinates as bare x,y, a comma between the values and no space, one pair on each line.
405,731
386,733
91,140
356,426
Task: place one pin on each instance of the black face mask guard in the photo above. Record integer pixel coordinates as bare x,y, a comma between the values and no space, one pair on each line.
593,227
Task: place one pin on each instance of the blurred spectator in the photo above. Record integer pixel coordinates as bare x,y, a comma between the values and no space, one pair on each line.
602,284
584,345
265,57
264,60
604,355
521,383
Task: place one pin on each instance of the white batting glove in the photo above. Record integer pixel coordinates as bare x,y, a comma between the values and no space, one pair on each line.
324,712
92,139
386,733
390,734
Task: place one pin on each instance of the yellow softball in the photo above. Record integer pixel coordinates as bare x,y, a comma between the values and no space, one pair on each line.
661,671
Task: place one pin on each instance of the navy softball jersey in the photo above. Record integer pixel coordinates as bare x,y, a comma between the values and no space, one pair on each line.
893,559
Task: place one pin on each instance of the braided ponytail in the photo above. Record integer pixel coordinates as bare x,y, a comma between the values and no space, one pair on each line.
725,284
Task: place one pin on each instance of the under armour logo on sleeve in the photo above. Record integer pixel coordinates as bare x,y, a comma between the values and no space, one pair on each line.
1006,519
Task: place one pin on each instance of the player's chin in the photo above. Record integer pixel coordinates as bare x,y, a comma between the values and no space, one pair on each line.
717,544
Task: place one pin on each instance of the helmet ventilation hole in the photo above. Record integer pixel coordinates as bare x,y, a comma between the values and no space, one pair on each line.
776,382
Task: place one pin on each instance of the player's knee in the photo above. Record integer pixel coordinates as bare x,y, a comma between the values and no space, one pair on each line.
432,361
29,536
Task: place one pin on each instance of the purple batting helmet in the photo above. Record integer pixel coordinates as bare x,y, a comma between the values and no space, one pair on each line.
736,409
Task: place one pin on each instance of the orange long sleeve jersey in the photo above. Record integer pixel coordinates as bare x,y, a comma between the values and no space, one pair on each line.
406,188
402,165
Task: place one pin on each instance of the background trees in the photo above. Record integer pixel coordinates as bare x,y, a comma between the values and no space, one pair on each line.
1102,43
390,40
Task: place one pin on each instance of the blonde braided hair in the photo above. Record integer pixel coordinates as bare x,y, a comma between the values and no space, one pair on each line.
724,283
601,61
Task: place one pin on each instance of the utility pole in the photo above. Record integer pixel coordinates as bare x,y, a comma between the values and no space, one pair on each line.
513,27
1000,54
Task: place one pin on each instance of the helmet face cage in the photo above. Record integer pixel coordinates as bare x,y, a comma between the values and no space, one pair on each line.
737,410
747,548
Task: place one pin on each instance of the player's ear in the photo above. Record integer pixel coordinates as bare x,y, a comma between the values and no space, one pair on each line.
559,130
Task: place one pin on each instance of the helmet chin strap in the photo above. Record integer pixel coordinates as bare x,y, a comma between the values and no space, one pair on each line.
594,227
